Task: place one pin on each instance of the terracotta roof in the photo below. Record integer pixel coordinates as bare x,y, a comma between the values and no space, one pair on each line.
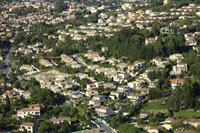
31,124
176,80
28,110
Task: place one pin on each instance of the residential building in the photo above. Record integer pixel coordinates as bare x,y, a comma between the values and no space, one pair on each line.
176,82
29,127
103,111
33,110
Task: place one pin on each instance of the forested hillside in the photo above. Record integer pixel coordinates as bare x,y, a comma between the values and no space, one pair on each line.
131,43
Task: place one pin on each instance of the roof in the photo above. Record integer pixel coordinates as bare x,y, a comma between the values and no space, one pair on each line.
60,119
176,80
28,109
31,124
91,131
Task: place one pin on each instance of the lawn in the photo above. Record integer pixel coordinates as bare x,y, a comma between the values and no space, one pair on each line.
154,106
187,114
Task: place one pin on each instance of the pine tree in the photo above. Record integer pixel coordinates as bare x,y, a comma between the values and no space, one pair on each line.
7,104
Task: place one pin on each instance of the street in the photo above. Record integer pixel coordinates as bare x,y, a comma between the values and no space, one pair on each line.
103,127
79,61
6,60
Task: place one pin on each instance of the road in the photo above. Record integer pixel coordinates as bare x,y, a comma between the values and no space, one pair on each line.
6,60
79,61
103,126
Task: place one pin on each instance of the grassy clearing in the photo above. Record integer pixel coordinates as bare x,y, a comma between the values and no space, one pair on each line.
154,106
187,114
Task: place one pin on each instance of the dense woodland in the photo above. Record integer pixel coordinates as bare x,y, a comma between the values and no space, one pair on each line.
131,43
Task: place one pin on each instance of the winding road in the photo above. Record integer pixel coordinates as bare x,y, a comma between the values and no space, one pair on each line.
6,60
103,127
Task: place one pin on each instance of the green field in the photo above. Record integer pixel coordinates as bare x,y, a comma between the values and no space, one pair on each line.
154,106
187,114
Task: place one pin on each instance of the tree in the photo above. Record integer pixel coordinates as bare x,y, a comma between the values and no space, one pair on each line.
170,112
128,128
64,127
185,95
44,127
177,123
60,6
8,107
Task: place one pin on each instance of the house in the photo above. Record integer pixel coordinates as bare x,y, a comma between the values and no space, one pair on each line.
176,57
99,84
74,94
119,105
127,6
109,86
26,94
135,97
94,102
153,130
159,62
115,95
77,95
182,130
33,110
30,127
150,40
66,59
139,64
192,122
45,63
89,86
176,82
179,68
60,120
91,131
169,120
143,91
103,111
94,56
91,93
144,114
124,89
100,98
153,84
10,93
138,83
26,68
121,76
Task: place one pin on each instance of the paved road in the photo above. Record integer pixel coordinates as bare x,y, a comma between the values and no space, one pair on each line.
79,61
6,60
103,126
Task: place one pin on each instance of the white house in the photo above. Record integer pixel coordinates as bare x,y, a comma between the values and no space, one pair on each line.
33,110
30,127
100,97
179,68
135,97
176,82
94,102
103,111
124,89
91,93
176,57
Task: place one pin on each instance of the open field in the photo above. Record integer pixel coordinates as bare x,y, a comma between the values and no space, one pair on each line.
187,114
154,106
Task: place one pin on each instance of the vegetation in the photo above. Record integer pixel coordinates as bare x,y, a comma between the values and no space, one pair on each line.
128,128
131,43
187,114
155,106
